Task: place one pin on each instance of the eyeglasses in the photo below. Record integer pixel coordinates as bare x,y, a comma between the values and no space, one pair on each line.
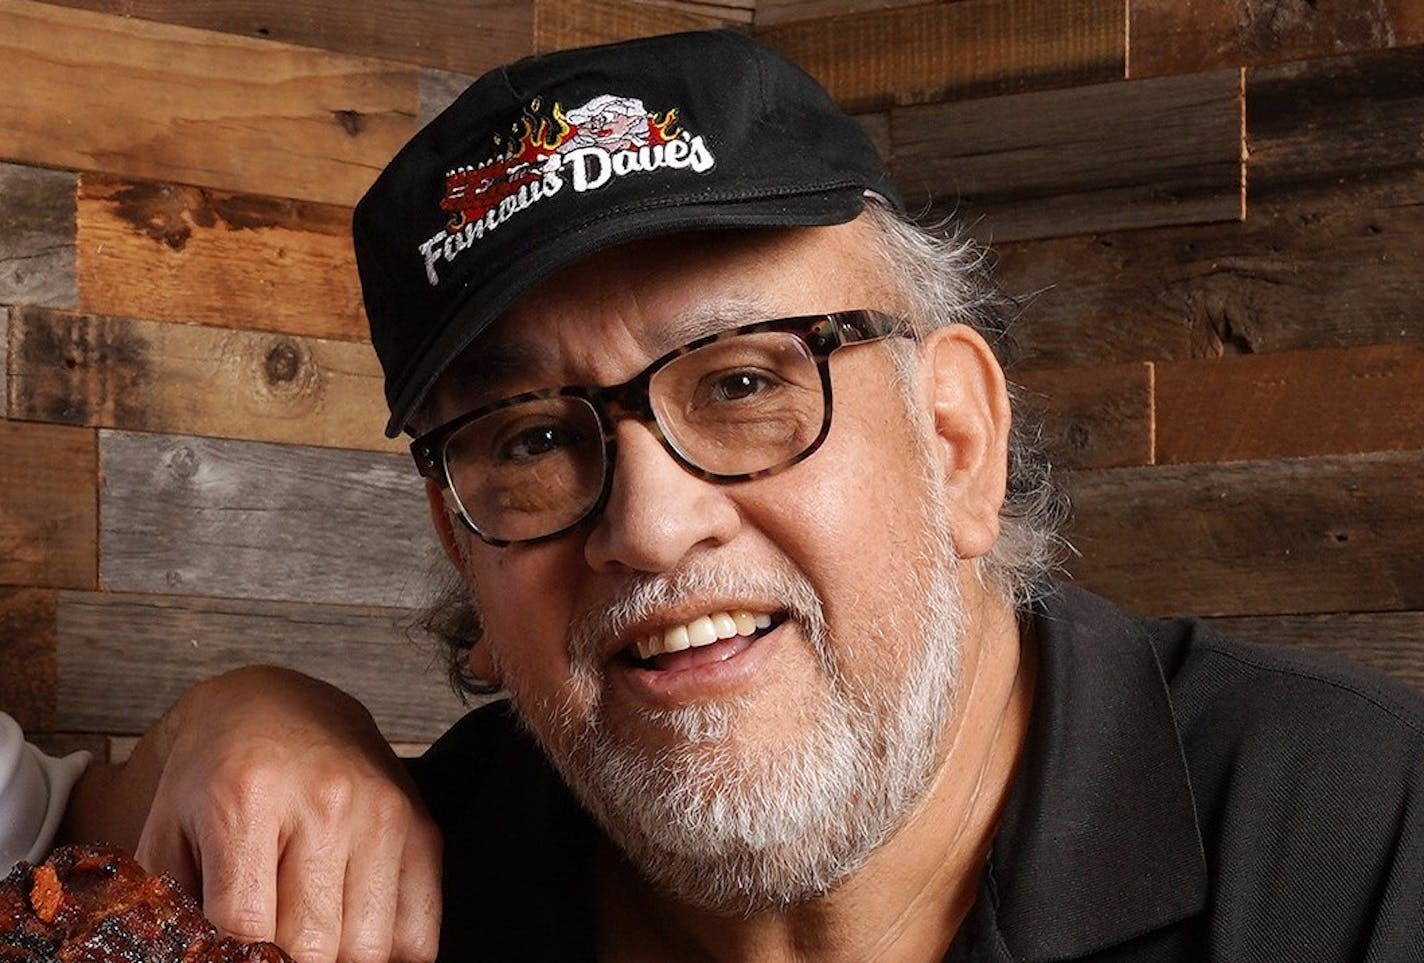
741,404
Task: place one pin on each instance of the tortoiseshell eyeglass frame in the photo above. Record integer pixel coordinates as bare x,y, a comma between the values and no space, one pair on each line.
821,333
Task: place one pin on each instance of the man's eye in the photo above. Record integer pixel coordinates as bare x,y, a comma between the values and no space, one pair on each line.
737,386
531,443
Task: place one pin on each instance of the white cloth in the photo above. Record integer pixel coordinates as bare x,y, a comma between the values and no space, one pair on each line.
34,789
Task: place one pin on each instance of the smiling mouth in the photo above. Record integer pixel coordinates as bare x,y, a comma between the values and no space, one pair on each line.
738,625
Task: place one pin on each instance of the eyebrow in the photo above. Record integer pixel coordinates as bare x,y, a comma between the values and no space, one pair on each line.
479,377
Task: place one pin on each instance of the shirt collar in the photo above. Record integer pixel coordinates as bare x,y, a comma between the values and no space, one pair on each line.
1099,840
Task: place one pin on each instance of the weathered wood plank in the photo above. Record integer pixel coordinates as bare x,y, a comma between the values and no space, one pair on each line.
1390,641
1176,37
63,743
972,48
28,664
470,36
210,256
1328,271
81,369
1333,401
48,486
1094,416
1338,533
235,519
1097,158
782,11
438,90
1316,125
36,236
159,102
877,128
560,24
124,659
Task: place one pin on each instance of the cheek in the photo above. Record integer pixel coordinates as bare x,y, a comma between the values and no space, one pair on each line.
525,598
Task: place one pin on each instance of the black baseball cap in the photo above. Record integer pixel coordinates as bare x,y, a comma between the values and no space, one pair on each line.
546,161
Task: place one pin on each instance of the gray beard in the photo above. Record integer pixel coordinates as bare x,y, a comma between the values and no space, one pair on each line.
739,829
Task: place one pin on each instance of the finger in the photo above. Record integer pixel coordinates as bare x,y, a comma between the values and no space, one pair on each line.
417,928
372,875
239,879
310,882
166,850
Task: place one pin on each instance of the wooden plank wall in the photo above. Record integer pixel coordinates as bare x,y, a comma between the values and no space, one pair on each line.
1214,208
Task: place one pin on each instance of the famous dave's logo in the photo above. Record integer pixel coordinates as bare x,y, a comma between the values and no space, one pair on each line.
548,150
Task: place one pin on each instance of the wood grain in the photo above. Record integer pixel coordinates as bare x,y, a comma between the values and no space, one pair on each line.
781,11
1392,642
124,659
235,519
28,663
560,24
1291,404
83,369
1093,416
36,236
1165,151
159,102
48,485
210,256
1317,125
1177,37
471,36
1309,272
438,90
972,48
1338,533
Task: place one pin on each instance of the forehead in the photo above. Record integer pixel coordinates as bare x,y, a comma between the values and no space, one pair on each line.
603,319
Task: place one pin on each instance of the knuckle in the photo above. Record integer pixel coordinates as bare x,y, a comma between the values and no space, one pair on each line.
311,946
332,801
367,950
243,922
391,811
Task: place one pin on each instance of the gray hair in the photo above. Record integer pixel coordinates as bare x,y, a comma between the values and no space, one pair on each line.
946,278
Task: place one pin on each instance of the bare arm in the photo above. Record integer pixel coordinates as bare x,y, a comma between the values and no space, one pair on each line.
274,796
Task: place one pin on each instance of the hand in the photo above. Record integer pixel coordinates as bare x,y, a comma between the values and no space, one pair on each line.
274,796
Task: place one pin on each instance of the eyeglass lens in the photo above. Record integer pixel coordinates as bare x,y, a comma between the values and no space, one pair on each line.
731,407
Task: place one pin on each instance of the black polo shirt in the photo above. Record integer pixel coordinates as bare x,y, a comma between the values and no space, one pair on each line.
1181,797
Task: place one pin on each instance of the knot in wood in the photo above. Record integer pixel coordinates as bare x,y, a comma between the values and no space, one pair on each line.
284,362
184,462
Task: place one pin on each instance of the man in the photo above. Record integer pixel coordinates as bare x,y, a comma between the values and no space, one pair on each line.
723,457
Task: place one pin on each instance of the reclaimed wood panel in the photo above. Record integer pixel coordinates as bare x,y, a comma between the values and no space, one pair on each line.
1315,125
1315,272
262,263
1093,416
28,664
471,35
48,486
37,236
781,11
124,659
560,24
1105,157
1337,533
63,743
81,369
1173,37
438,90
1392,642
1292,404
971,48
237,519
159,102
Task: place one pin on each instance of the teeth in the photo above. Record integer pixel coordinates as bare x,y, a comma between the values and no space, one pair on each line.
702,631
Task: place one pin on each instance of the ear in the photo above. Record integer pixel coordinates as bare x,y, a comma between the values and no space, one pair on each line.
482,665
970,403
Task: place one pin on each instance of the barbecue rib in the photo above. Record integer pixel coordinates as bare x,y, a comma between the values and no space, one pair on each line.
95,904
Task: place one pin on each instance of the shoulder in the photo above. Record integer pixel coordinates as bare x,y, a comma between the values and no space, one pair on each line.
1307,773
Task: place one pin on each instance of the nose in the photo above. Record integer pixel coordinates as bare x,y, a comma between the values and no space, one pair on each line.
657,512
